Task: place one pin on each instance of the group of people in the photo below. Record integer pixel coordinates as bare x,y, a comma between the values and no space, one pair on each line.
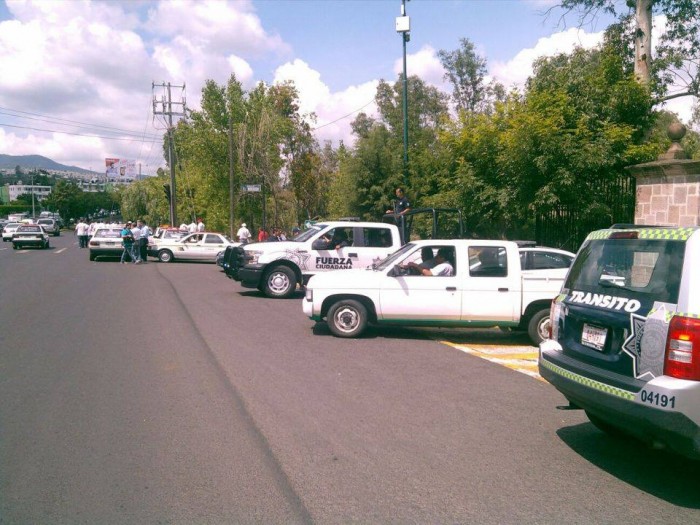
276,234
135,242
193,227
85,231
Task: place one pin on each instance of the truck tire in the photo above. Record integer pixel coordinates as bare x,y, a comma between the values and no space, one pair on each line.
280,282
347,318
538,326
165,256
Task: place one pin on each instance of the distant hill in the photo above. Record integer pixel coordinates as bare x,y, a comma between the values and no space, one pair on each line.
28,162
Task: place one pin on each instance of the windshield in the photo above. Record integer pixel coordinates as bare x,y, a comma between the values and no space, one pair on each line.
307,234
392,258
629,266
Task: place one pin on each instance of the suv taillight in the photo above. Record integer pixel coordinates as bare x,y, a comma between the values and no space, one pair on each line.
683,348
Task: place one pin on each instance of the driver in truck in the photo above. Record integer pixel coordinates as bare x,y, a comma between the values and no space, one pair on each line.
442,267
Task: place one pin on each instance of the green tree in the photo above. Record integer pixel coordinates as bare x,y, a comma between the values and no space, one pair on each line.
678,51
466,71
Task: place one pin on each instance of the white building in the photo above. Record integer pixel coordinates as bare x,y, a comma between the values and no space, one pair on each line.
40,192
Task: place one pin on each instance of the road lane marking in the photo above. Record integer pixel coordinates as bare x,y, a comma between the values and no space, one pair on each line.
520,359
61,250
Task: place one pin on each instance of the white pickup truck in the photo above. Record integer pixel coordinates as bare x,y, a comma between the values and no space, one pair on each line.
488,288
275,268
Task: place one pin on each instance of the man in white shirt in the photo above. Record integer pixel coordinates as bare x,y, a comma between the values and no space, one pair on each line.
136,232
81,230
200,225
192,228
143,242
243,234
443,267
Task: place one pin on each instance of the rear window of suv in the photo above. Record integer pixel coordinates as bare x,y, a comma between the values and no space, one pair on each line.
629,267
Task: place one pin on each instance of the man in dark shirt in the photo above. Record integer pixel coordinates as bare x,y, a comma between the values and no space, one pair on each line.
401,204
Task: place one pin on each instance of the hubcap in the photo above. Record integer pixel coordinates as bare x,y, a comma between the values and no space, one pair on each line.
278,282
346,319
543,328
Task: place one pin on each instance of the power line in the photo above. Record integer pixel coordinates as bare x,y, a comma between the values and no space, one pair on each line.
130,139
57,120
343,117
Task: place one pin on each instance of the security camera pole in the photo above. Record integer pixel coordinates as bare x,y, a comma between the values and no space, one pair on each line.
403,26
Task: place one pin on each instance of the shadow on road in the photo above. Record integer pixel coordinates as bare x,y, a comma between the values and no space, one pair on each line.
672,478
376,332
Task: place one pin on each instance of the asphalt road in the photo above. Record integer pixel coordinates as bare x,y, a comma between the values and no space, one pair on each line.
165,393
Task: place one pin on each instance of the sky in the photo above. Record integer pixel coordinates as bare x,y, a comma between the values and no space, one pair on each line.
76,76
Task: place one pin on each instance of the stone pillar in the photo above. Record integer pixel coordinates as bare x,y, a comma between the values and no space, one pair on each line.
668,189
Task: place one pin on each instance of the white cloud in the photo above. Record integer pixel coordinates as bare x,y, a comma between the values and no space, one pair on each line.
334,111
424,64
93,62
516,71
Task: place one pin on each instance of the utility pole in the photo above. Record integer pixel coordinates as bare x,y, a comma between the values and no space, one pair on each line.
164,106
33,210
231,186
403,26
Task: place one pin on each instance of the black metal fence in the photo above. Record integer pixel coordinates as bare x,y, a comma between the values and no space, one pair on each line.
606,202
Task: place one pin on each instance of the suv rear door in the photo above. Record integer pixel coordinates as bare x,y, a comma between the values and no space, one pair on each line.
614,285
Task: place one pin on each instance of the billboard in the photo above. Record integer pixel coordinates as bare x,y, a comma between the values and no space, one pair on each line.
116,168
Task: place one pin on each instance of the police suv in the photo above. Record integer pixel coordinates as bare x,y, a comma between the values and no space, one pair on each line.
625,343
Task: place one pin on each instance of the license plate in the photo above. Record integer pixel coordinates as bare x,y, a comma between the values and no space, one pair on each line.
110,244
594,337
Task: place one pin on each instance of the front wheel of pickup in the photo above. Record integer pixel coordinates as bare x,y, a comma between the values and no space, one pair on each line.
347,318
538,326
280,282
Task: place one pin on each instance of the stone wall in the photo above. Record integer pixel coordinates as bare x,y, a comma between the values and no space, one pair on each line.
668,193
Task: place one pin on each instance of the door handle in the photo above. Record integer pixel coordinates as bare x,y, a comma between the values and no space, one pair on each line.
503,289
451,288
352,255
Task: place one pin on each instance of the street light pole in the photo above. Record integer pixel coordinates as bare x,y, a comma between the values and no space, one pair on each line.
403,26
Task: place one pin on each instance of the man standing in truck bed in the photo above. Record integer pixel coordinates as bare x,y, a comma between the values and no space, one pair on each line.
401,204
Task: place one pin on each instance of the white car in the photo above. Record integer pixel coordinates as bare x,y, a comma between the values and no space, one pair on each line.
106,242
9,229
30,235
200,246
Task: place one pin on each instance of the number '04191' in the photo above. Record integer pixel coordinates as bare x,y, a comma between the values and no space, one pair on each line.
659,400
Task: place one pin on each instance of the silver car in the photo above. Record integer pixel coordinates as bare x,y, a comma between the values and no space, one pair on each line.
201,246
51,226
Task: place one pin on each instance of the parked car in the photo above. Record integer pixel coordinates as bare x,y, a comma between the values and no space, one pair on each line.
51,226
201,246
9,229
30,235
487,288
106,242
542,258
625,342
